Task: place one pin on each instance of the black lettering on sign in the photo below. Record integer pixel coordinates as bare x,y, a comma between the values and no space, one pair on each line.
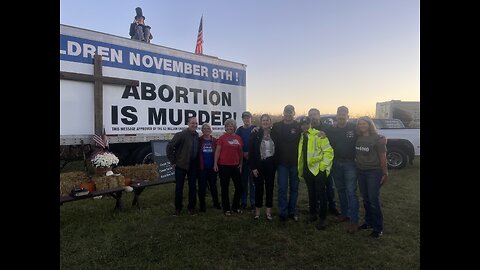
130,91
154,118
148,91
130,118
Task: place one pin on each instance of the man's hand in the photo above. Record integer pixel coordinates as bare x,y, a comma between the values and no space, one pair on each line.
384,179
245,155
255,172
321,134
215,167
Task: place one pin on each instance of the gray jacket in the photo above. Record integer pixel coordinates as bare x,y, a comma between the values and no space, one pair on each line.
179,149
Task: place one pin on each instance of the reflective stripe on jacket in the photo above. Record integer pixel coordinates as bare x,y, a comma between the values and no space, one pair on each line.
319,153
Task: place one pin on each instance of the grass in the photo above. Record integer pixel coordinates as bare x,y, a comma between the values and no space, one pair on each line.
92,236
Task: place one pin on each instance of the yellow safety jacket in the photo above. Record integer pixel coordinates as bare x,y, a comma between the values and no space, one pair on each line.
319,153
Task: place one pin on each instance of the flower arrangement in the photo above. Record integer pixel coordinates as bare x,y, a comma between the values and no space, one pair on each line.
105,159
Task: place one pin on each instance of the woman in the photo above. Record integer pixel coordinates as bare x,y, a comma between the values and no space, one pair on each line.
262,165
228,163
372,173
206,151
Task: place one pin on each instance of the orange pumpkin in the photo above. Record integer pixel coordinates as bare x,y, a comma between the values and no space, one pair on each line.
90,186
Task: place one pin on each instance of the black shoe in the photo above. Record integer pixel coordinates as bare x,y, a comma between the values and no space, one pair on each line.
312,218
334,212
202,209
217,206
283,219
293,216
321,225
243,206
375,234
192,212
364,226
176,213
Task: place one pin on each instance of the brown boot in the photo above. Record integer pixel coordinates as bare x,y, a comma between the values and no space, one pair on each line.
352,228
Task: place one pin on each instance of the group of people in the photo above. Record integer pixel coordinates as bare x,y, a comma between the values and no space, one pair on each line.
342,156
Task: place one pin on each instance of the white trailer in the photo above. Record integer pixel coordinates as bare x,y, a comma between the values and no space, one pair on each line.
136,92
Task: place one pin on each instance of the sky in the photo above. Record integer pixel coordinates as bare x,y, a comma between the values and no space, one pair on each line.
308,53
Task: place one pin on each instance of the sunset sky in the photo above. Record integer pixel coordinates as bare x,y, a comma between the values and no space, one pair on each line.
308,53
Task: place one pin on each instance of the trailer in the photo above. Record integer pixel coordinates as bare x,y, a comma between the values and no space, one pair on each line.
135,92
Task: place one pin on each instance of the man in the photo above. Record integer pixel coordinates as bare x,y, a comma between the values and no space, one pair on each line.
138,29
246,178
314,115
342,136
286,135
315,157
182,151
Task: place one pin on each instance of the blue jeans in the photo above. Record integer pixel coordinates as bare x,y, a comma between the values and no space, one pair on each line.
287,207
142,33
369,183
192,186
247,180
344,174
207,177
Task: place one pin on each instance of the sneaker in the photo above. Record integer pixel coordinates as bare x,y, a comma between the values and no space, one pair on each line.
238,211
321,225
192,212
334,212
340,219
375,234
269,217
293,216
176,213
228,213
256,217
364,226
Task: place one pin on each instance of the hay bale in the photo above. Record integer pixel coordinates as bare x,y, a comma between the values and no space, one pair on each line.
138,172
109,182
71,180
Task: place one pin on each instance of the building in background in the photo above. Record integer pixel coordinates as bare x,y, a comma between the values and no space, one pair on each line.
407,111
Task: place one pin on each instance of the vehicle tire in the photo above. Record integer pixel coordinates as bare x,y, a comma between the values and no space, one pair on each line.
396,158
143,155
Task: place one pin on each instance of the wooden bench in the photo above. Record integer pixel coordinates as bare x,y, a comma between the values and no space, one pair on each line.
116,193
139,187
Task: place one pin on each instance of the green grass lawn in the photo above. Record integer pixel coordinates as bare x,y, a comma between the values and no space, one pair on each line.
92,236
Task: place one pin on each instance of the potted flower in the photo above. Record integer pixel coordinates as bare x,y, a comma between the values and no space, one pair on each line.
103,163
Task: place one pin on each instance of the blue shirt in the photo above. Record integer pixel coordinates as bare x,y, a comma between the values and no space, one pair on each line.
245,133
207,152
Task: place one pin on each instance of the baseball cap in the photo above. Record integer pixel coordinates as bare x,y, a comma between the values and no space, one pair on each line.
246,114
289,108
305,120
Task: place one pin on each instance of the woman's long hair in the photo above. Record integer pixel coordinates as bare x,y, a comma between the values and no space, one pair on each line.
372,130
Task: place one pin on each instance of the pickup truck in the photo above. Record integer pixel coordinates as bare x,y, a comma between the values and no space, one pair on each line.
403,144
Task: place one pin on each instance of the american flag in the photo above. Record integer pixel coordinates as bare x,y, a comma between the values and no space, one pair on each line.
199,48
101,141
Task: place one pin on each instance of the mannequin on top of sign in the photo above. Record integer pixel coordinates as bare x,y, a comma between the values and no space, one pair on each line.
138,29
